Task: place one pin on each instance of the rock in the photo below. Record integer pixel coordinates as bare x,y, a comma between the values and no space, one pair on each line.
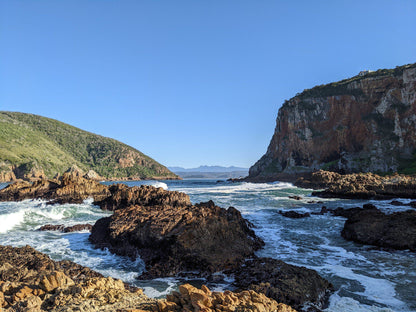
72,188
285,283
373,227
347,213
66,229
30,281
360,185
295,197
92,175
190,298
123,196
172,239
360,124
293,214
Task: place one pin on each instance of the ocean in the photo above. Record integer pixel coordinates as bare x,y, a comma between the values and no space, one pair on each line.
365,278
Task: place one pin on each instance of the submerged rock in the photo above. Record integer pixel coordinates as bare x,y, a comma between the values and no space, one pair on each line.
203,237
66,229
294,214
190,298
296,286
373,227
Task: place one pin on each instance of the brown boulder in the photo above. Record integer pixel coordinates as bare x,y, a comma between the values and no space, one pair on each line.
65,229
169,239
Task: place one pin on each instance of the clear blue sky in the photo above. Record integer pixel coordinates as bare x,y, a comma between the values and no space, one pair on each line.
189,82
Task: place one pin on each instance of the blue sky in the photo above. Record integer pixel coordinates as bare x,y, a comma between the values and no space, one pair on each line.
189,82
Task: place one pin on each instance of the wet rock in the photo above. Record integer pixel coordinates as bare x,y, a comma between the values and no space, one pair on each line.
295,197
66,229
285,283
373,227
294,215
349,212
190,298
171,239
123,196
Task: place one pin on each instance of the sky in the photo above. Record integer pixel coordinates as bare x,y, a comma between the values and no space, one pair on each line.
192,82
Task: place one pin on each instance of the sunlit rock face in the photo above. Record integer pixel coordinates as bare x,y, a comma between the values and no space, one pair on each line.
365,123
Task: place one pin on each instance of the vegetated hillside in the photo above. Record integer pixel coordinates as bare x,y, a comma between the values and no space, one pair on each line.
363,124
30,144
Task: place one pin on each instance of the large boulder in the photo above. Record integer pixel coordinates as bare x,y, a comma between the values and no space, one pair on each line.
373,227
170,239
301,288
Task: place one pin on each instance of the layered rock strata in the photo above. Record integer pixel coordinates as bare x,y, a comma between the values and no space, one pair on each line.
360,185
362,124
174,239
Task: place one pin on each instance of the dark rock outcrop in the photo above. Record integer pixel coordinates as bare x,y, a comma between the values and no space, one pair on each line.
289,284
124,196
349,212
373,227
65,229
71,188
171,239
360,185
294,214
362,124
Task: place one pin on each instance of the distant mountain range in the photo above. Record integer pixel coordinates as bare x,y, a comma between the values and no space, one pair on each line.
210,172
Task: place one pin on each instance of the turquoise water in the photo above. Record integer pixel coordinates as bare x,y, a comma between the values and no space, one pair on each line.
366,279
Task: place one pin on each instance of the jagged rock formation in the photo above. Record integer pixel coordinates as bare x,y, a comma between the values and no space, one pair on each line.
173,239
123,196
373,227
30,282
360,185
299,287
66,229
190,298
363,124
34,147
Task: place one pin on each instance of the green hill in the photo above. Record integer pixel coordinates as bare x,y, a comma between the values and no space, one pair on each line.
30,142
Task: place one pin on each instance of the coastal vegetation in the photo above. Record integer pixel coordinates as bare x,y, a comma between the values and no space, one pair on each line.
30,142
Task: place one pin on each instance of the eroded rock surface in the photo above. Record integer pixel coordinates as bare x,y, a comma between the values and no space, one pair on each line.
190,298
66,229
30,281
203,237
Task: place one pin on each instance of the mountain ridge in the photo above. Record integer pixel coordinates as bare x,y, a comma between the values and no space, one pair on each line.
34,146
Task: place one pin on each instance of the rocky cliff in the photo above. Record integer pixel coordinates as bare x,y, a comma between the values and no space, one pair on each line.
33,147
363,124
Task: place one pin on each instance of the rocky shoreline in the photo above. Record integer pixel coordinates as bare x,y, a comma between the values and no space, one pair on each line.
359,185
174,237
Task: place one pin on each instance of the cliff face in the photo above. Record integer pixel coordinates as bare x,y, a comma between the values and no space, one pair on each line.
366,123
33,146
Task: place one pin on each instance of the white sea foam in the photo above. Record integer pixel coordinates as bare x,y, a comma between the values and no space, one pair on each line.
10,220
159,184
347,304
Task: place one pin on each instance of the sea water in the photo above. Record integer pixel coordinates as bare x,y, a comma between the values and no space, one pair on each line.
365,278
